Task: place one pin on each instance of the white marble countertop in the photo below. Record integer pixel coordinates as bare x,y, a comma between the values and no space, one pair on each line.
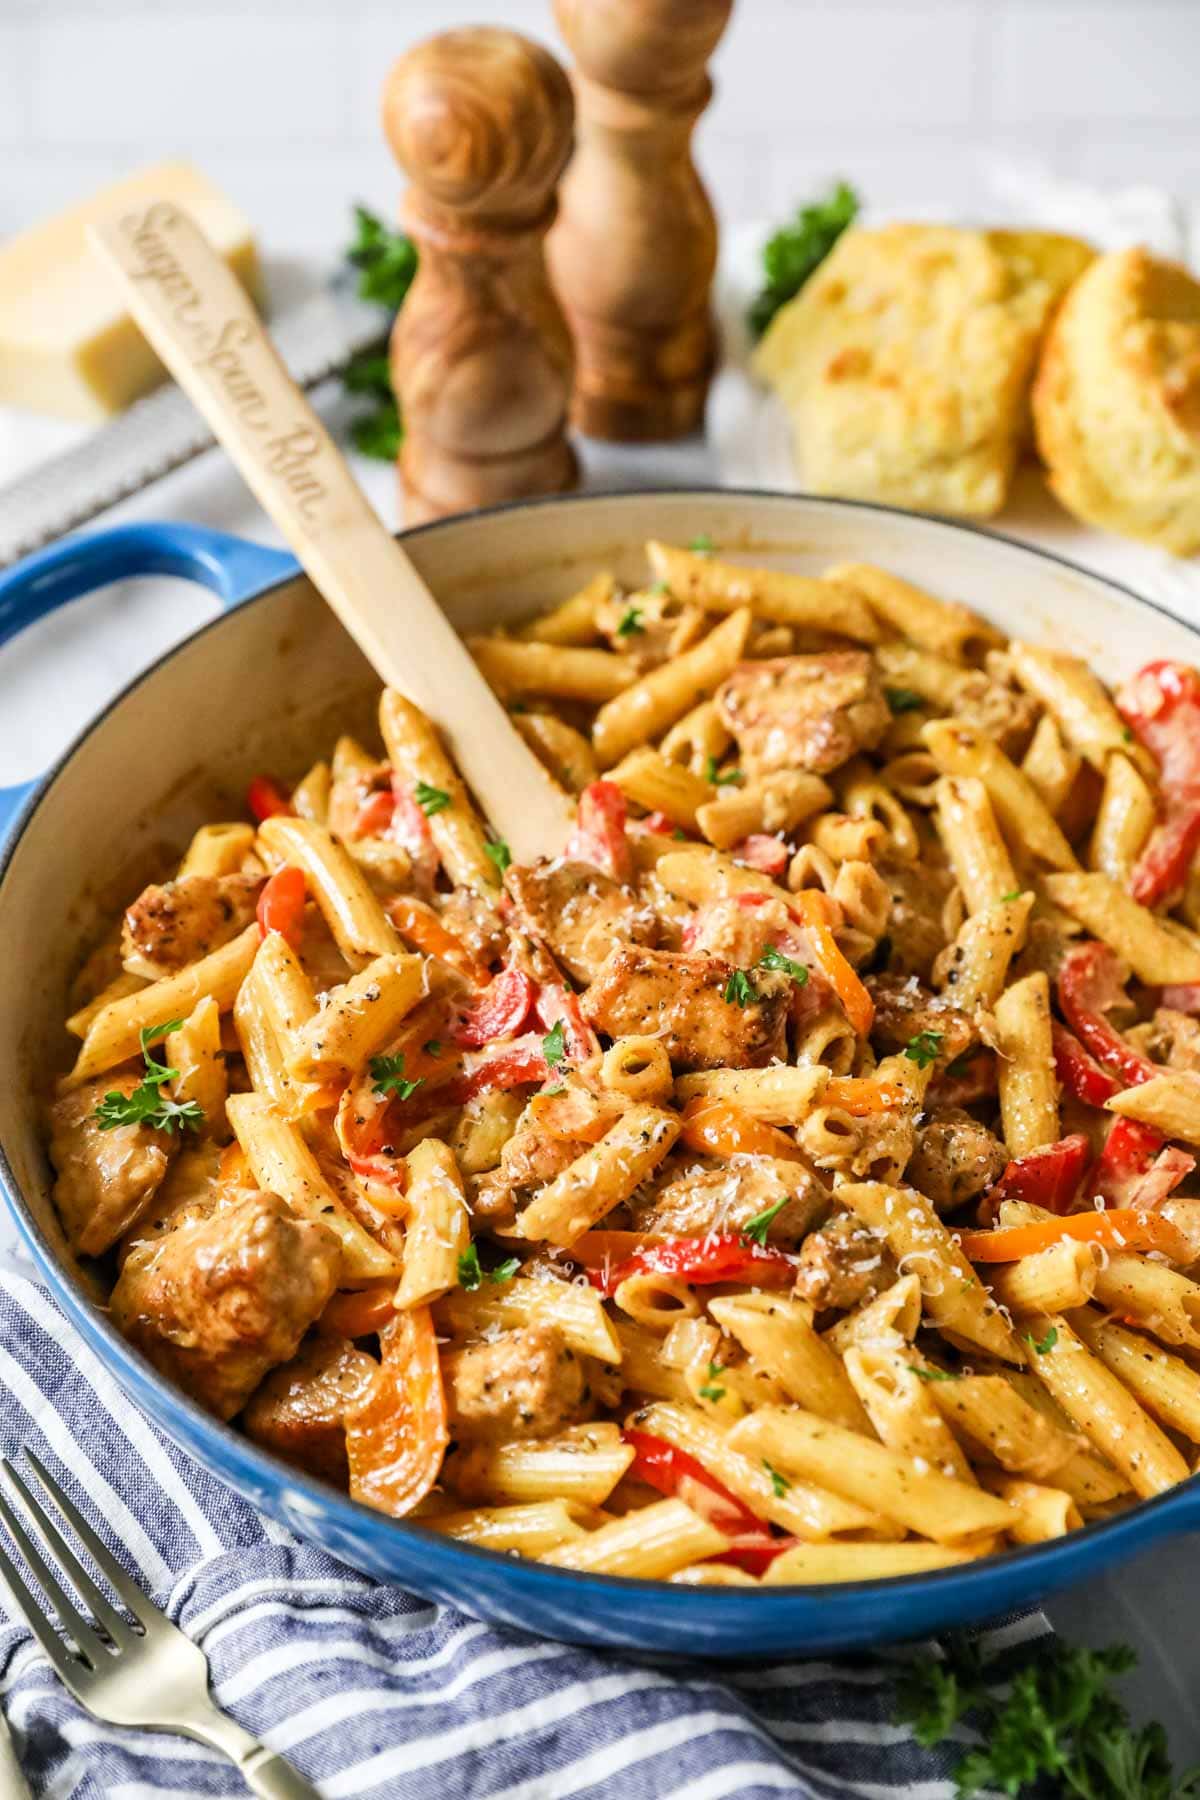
56,676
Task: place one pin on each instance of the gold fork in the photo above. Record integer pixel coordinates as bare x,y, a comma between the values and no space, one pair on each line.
130,1671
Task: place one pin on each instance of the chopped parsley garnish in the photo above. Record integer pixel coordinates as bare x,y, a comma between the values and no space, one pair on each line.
388,1077
961,1064
756,1229
431,800
499,852
1044,1345
660,587
779,1483
701,544
432,1046
1014,895
469,1272
934,1374
722,777
924,1047
798,249
739,990
902,700
631,621
146,1104
553,1048
560,1087
773,958
1127,735
679,835
710,1391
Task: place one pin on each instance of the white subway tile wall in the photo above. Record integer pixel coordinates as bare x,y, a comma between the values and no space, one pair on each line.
912,99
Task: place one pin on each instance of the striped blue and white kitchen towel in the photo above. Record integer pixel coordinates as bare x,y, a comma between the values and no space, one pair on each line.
373,1691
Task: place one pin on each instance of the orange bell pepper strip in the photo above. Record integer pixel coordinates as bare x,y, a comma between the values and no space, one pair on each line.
1120,1229
718,1128
424,931
355,1315
815,909
396,1437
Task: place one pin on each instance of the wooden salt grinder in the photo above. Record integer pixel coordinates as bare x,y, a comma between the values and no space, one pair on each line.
633,252
481,357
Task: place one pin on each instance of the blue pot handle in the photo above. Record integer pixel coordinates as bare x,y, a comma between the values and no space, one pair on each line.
234,569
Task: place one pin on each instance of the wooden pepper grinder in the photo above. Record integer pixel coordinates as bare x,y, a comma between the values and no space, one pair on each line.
633,252
481,358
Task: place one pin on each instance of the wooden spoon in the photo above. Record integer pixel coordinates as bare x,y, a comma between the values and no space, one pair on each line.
203,324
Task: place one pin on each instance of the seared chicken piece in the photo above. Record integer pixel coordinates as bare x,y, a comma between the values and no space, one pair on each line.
580,912
300,1409
955,1158
106,1179
475,921
535,1154
905,1010
528,1383
170,926
218,1302
189,1191
1175,1039
804,712
726,1197
681,999
842,1265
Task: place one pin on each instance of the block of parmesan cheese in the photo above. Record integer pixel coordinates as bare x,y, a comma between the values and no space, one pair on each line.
67,344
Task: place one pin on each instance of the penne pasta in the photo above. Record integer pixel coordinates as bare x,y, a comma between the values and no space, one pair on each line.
962,751
659,699
1157,950
354,916
1025,1065
919,1498
773,594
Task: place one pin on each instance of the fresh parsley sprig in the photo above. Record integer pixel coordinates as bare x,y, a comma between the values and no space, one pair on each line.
554,1045
773,958
387,261
1055,1727
739,990
710,1389
146,1104
756,1229
798,249
924,1048
388,1077
471,1271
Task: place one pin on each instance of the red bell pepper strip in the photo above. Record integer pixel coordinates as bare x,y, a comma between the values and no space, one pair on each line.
769,855
721,1256
599,833
265,798
1161,1178
1047,1177
1128,1154
1080,1073
410,828
1162,705
753,1546
374,816
1183,997
501,1066
556,1004
281,904
361,1126
1089,983
501,1011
